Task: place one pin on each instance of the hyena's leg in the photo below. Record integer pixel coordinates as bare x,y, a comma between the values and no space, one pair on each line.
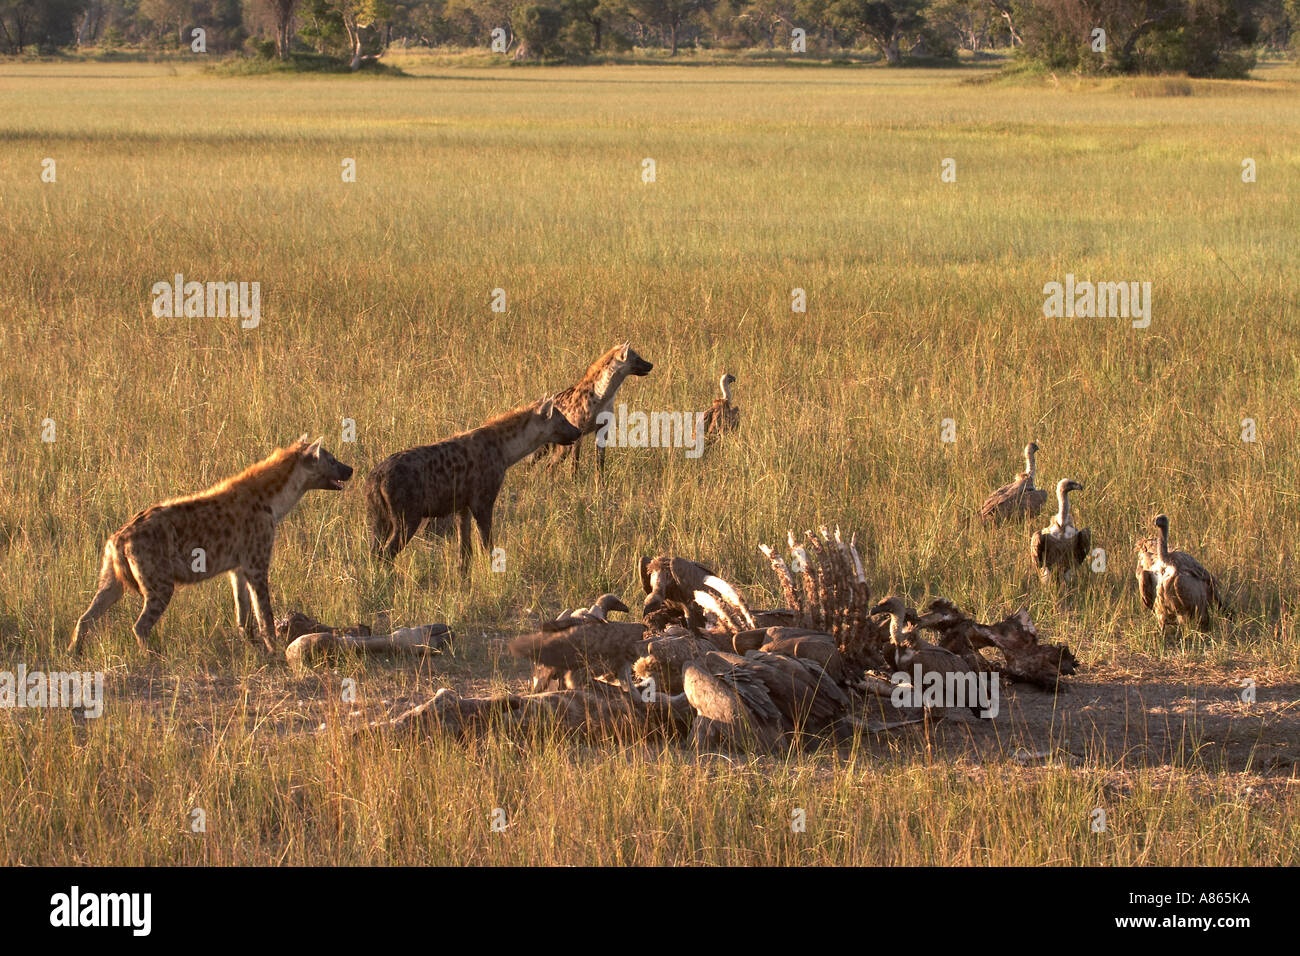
259,583
466,540
554,454
405,525
156,598
483,518
577,451
243,603
381,530
600,459
109,593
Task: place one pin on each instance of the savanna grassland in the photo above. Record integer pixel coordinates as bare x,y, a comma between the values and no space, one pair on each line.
924,304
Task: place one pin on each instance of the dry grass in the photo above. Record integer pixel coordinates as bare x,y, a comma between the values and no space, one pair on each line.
924,305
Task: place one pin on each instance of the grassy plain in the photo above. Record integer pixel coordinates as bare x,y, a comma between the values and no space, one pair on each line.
924,304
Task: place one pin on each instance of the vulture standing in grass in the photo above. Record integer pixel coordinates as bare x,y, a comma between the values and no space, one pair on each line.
1148,556
1061,547
722,416
910,649
543,675
1183,590
598,649
1020,499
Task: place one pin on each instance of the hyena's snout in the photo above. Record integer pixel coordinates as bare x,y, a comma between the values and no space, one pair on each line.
340,474
331,473
566,432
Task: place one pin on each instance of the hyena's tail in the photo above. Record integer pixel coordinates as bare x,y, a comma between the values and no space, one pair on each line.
379,513
116,565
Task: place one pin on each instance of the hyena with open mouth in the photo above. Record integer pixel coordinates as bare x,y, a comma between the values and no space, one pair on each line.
460,475
594,393
228,528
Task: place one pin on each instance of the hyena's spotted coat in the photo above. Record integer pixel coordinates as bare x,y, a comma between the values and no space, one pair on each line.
228,528
458,476
594,393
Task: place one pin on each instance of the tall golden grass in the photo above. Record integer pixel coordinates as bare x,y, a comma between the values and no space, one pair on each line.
924,304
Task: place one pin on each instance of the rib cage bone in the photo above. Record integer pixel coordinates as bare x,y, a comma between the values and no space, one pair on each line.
828,591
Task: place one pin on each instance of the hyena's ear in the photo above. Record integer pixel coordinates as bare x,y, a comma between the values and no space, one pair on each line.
314,448
622,355
302,439
546,406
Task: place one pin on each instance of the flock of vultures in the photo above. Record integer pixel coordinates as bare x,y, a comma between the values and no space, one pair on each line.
705,668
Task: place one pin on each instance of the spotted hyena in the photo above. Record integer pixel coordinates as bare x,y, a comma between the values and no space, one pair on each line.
593,394
458,476
228,528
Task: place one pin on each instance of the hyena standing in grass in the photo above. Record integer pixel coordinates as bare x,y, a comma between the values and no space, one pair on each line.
230,527
594,393
458,476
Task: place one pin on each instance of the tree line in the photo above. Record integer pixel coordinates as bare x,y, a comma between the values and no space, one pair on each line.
1196,37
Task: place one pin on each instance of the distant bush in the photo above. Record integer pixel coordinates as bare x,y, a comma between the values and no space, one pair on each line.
1203,38
300,63
538,27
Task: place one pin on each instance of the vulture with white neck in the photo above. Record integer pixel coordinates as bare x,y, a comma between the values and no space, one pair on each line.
910,650
722,416
1061,547
1019,499
1184,590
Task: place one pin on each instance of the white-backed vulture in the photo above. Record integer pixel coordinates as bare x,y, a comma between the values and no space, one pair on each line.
760,701
670,584
1184,589
1148,556
666,656
804,643
1061,547
599,649
722,416
597,613
724,602
911,650
1019,499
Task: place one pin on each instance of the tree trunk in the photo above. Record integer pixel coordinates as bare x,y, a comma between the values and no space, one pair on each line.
672,34
84,31
596,25
1003,9
354,41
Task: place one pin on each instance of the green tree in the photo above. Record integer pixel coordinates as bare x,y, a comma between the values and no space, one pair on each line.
884,22
358,16
167,15
669,16
538,28
594,13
